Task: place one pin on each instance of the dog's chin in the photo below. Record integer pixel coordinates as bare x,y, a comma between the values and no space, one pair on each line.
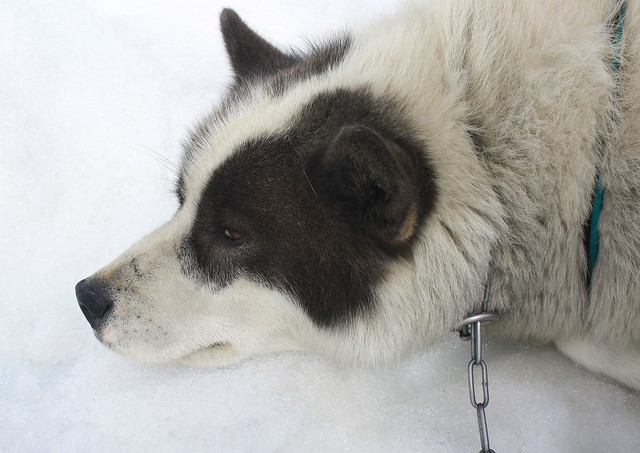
216,354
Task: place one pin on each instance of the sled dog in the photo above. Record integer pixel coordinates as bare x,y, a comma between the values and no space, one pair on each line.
352,200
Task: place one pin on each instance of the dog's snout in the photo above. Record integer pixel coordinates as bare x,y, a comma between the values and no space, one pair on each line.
94,301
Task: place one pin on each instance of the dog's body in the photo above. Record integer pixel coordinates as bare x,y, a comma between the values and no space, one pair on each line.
354,200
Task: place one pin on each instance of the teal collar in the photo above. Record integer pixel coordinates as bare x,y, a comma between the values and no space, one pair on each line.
598,193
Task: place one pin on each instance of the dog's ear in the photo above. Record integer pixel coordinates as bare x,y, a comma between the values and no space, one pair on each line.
250,54
373,183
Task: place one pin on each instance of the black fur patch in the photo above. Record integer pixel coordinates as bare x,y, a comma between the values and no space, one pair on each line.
270,214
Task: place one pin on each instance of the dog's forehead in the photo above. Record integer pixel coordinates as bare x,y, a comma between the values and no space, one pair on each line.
263,180
222,136
259,117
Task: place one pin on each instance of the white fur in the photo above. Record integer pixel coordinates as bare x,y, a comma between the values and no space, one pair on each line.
533,80
619,361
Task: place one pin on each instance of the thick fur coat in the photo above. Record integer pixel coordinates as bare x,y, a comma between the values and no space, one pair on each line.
352,200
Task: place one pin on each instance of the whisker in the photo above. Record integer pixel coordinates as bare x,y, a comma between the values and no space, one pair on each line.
309,181
170,165
303,170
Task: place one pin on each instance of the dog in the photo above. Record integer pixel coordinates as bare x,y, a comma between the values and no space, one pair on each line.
352,200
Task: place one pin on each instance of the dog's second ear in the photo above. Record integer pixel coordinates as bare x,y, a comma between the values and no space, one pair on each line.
372,182
250,54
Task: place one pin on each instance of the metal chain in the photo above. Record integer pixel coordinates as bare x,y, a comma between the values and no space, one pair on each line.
471,328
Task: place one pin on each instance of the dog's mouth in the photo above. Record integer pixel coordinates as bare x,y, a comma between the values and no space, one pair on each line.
203,355
208,353
216,345
213,347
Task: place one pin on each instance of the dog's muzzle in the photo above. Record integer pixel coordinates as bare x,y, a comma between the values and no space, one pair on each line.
94,301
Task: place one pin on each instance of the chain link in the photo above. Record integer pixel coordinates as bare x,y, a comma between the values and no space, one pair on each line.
471,328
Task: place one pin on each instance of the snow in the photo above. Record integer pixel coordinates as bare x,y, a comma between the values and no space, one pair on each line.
95,95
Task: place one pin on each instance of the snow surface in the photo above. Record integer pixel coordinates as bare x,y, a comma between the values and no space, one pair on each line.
95,95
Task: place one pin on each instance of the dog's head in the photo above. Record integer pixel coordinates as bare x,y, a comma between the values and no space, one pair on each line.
301,197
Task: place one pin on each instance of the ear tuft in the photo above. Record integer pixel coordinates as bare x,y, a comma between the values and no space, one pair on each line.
249,53
372,182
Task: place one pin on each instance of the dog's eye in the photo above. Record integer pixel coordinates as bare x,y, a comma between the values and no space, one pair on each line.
233,235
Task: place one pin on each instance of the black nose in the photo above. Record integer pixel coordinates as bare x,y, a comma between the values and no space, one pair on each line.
94,301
